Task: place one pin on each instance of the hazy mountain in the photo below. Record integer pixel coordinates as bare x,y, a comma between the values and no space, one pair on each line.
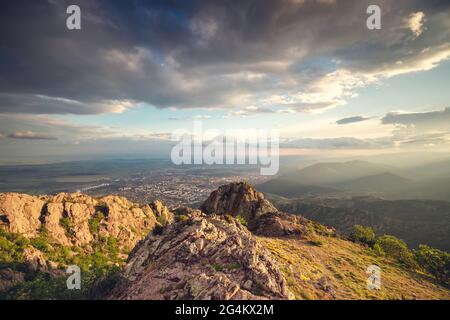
335,172
434,170
292,189
384,182
415,221
436,189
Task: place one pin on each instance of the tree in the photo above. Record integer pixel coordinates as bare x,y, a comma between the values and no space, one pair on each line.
363,234
434,261
397,249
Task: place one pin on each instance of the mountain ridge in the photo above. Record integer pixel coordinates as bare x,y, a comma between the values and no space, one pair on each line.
239,247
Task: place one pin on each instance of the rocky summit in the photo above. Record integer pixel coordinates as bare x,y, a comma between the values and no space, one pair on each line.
243,201
202,257
237,245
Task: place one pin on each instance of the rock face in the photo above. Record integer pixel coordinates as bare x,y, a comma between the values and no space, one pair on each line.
238,199
241,199
9,278
203,257
21,213
77,219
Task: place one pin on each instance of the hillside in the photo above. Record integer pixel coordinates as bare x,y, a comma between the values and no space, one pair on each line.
384,182
41,235
414,221
291,189
329,173
238,246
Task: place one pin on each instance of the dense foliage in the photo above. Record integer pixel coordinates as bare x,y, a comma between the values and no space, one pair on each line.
102,261
435,261
362,234
430,260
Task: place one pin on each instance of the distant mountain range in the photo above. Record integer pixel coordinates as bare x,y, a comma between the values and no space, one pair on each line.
424,182
383,182
414,221
414,207
291,189
334,172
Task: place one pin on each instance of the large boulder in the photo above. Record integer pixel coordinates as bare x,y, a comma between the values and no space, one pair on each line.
243,201
203,257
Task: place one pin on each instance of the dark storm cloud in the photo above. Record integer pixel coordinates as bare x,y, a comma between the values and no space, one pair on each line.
352,120
188,54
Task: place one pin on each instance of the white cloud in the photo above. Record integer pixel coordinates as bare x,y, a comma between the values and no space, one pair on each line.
30,135
416,23
248,111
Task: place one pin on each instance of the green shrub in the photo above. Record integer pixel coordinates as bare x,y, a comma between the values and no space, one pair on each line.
233,266
43,287
161,220
434,261
242,220
377,250
113,248
397,249
41,242
11,249
94,222
362,234
182,218
67,225
217,267
315,242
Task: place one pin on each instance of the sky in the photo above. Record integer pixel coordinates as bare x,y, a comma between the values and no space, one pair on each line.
139,70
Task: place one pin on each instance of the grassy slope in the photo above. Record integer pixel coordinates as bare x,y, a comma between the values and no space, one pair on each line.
344,264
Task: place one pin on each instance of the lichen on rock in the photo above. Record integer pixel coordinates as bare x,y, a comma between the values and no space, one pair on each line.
205,257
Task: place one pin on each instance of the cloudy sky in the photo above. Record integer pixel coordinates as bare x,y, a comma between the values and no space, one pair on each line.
138,70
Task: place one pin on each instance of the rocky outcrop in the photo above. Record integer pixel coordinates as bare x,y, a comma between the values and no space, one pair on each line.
203,257
161,212
21,213
242,200
77,219
35,259
9,278
238,199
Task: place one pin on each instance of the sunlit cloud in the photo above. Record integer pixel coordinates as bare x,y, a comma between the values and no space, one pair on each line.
416,23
